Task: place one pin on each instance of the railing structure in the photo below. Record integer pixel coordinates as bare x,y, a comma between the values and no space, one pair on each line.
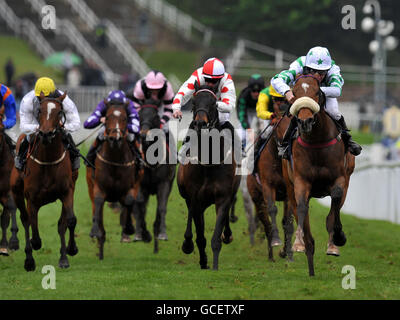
374,192
68,29
86,98
176,19
26,29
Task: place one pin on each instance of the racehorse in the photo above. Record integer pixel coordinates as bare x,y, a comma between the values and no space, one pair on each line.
320,166
115,177
202,185
6,199
159,173
268,186
48,177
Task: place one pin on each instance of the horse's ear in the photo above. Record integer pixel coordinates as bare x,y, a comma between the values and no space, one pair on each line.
42,96
63,96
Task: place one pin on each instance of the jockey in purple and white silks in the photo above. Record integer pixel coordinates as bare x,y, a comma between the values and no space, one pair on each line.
317,62
98,117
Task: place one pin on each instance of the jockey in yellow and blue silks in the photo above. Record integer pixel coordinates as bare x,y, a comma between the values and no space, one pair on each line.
319,63
7,98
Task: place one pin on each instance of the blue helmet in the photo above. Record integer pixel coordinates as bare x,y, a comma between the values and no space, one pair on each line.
117,96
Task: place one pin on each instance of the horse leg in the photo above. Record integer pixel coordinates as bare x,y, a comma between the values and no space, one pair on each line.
248,208
188,246
127,204
222,209
287,224
198,217
62,228
272,210
232,217
263,217
36,242
333,223
98,227
302,192
142,234
71,221
29,263
5,221
11,207
159,226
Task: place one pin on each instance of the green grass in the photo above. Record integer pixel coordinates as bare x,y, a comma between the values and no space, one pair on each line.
25,60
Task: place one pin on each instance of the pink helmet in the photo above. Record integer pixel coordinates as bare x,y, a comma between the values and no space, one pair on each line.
155,80
213,68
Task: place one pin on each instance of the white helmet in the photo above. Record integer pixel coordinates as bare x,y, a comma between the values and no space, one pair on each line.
318,58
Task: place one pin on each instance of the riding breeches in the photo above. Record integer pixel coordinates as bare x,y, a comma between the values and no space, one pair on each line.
332,108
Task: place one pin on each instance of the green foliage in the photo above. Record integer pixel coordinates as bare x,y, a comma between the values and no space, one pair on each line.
133,271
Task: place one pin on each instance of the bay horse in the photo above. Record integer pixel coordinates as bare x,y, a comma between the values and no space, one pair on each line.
6,199
48,177
268,186
319,166
202,185
159,174
115,177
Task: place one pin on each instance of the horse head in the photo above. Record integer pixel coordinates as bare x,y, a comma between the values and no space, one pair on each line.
148,117
51,117
116,123
205,113
309,98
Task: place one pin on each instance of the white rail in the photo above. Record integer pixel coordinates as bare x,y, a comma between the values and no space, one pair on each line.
68,29
176,19
25,28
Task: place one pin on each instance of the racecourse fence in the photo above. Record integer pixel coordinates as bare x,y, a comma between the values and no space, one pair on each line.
374,189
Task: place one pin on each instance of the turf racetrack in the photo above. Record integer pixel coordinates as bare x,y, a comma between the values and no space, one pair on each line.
133,271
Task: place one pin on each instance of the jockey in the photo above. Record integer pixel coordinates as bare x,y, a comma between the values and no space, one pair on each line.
29,123
98,117
7,98
213,74
246,104
157,88
319,63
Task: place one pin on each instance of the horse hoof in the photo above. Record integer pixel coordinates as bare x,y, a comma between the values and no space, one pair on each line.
29,265
187,247
276,242
339,239
282,254
36,244
162,236
233,219
125,238
4,252
298,247
146,236
138,238
13,244
226,240
63,264
333,251
129,230
95,233
72,250
206,267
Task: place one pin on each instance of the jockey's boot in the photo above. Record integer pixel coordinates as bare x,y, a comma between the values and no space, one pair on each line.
91,155
74,153
283,148
353,146
20,159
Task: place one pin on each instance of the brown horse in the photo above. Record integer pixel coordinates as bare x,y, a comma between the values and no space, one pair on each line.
270,187
159,174
6,199
319,166
115,177
202,185
48,177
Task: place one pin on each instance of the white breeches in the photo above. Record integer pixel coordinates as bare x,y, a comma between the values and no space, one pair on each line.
332,107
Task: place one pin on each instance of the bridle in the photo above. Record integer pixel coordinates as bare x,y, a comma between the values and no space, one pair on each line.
61,116
212,123
321,94
117,130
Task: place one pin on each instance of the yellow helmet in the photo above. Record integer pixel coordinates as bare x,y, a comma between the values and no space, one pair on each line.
45,85
273,92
